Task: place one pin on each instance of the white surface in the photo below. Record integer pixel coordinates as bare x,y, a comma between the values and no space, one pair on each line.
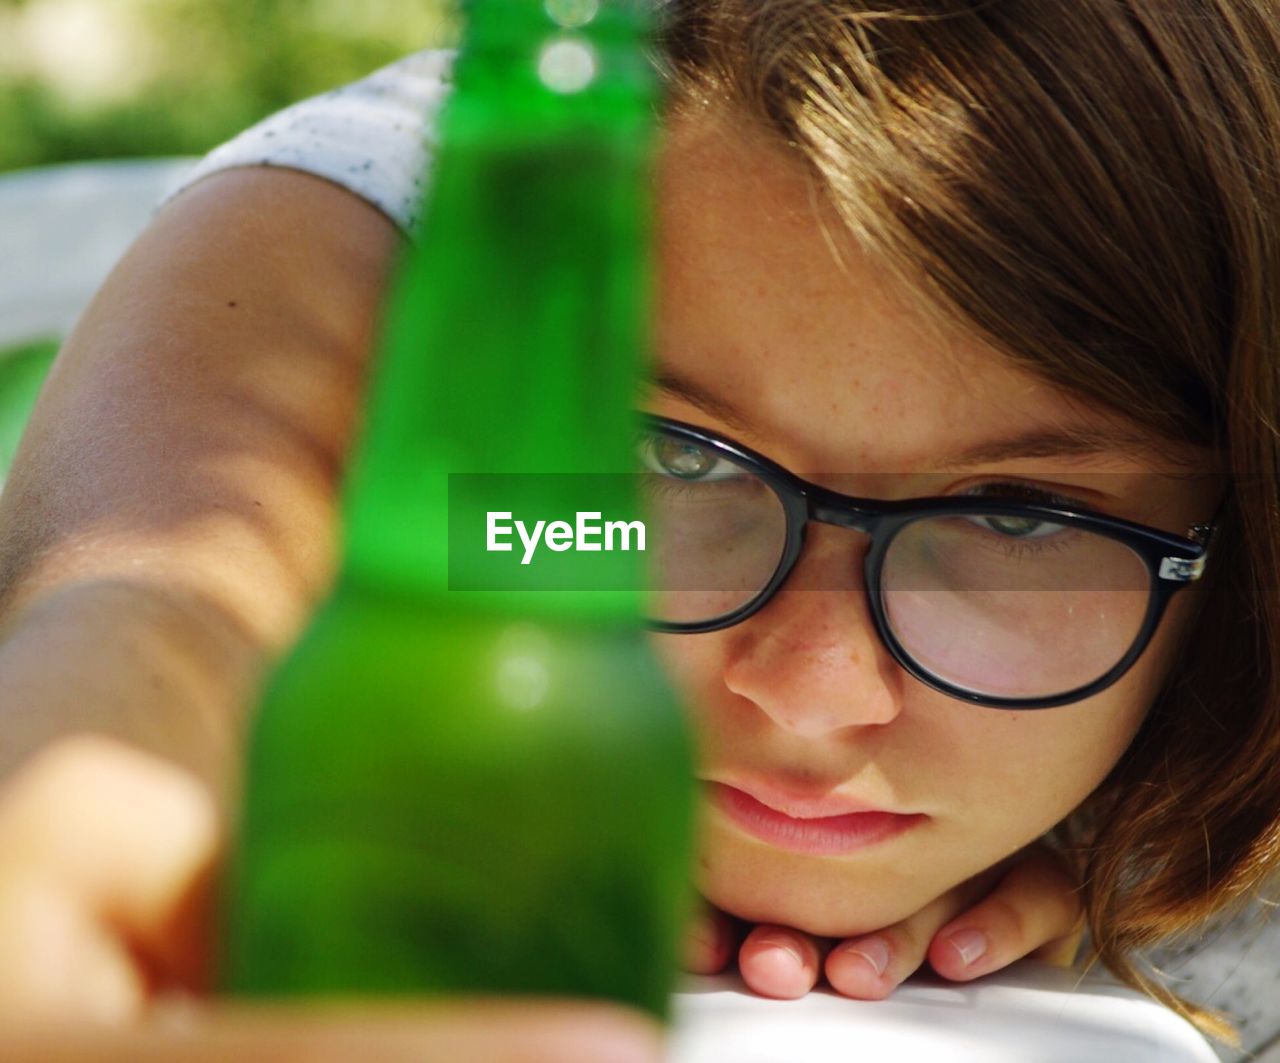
61,231
1030,1013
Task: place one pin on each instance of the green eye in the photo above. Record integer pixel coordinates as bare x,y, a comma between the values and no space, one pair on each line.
676,457
1019,527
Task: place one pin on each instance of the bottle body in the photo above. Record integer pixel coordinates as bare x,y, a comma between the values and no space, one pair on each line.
508,816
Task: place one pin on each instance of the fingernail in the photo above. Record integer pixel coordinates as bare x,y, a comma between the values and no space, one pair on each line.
874,951
970,944
786,947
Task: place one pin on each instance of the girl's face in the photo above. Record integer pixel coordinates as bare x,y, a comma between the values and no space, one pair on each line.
823,368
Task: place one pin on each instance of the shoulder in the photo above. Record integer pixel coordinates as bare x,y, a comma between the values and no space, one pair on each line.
373,137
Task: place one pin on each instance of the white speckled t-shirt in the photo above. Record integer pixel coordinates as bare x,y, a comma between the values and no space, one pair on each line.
373,136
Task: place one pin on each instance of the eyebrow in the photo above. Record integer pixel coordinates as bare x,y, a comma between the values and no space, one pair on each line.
1079,442
668,382
1046,443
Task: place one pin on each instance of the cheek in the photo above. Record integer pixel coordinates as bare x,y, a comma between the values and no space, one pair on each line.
1020,773
1170,640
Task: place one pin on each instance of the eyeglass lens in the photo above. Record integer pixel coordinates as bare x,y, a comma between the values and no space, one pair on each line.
1001,606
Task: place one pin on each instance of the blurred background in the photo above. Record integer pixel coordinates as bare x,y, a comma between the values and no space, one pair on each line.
120,88
91,79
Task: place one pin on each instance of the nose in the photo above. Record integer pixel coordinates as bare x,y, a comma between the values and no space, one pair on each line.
811,659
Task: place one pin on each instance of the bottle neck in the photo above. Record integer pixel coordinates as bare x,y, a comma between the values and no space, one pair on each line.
510,24
554,62
521,316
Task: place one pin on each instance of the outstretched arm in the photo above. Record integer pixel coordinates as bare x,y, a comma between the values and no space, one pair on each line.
170,517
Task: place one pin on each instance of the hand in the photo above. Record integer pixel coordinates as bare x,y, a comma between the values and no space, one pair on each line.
1028,907
106,855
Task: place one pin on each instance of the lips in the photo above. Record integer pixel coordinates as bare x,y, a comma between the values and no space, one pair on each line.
822,826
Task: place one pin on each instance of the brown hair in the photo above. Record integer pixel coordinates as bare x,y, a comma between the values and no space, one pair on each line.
1095,188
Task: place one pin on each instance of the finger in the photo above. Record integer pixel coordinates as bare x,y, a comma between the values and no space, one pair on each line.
776,961
709,941
495,1031
871,966
104,858
1034,910
59,960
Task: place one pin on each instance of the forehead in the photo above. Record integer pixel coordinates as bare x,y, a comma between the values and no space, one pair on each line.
766,301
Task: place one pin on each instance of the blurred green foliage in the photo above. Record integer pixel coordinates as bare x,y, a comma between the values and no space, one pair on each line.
22,371
190,73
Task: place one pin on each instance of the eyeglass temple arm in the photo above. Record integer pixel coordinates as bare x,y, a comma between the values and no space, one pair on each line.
1181,570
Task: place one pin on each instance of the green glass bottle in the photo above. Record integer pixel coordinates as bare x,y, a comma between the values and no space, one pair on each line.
487,790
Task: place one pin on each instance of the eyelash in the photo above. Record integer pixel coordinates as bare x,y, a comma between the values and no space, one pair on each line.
1023,492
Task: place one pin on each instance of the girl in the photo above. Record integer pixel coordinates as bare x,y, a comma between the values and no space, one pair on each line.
1015,257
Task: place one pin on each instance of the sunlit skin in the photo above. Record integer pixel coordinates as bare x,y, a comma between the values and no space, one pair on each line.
837,370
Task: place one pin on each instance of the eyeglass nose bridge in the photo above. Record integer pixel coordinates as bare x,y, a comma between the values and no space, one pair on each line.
844,511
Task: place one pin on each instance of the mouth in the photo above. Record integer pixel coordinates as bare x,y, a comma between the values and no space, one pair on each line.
807,826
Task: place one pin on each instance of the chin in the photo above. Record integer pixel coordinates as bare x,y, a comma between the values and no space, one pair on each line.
816,900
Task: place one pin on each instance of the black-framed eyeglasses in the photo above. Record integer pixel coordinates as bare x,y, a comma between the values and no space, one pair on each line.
997,601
